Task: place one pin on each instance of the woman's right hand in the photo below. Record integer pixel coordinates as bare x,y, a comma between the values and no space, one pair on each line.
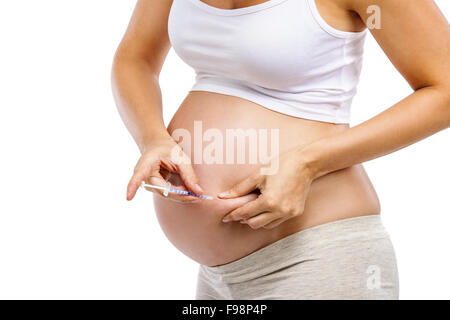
163,158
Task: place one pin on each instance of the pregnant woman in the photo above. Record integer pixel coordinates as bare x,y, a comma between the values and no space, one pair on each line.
265,131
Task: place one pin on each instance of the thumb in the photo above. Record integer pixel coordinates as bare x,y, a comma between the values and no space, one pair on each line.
242,188
157,180
234,203
141,175
189,178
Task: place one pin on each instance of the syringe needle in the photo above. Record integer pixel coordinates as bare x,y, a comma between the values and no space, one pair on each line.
169,189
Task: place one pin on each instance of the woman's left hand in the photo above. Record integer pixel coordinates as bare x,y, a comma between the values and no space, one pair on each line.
283,194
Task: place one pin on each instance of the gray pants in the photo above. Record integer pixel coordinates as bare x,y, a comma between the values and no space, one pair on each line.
345,259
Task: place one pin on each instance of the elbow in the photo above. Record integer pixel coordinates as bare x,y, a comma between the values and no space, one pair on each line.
117,62
448,107
126,62
120,61
116,69
439,94
444,91
123,70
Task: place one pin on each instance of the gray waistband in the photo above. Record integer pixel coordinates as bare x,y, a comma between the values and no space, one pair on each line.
300,246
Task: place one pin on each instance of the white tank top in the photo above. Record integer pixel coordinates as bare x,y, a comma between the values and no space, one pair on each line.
280,54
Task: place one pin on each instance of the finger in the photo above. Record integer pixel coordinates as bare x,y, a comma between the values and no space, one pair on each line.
263,219
159,181
275,223
165,174
247,211
183,198
178,198
189,178
242,188
135,182
228,205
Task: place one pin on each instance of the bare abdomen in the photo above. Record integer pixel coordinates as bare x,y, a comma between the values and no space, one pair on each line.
197,229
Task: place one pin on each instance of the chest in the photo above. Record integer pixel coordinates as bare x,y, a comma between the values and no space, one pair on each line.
233,4
278,46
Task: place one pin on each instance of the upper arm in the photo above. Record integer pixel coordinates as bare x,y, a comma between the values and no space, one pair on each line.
415,36
146,36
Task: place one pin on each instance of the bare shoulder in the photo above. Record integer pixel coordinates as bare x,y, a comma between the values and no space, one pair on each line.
414,34
340,15
391,7
147,33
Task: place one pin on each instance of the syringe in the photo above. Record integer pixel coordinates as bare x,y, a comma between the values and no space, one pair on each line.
169,189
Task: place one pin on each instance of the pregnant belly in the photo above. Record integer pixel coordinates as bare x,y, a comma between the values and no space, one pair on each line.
218,133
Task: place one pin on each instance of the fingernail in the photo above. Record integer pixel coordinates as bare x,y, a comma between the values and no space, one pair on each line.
226,219
243,222
224,194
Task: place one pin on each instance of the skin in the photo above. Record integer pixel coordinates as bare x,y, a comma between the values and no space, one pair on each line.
326,158
197,230
416,117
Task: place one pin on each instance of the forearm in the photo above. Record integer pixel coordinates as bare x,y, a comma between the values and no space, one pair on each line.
418,116
138,98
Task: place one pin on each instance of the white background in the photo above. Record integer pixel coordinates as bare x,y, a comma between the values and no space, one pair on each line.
66,230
